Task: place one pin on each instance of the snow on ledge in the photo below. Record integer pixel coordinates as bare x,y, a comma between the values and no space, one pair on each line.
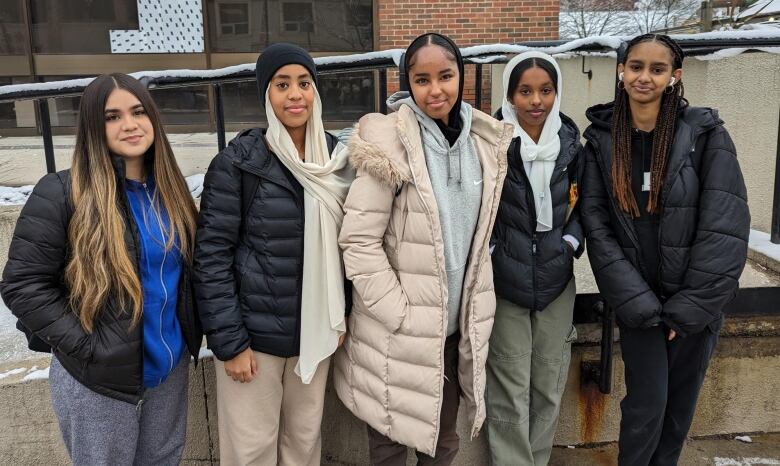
19,195
760,243
612,42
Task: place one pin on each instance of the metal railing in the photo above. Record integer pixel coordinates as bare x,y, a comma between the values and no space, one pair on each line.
589,308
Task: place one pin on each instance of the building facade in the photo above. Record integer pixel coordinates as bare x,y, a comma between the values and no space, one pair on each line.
47,40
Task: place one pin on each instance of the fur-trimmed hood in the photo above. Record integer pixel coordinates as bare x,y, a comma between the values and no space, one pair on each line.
379,142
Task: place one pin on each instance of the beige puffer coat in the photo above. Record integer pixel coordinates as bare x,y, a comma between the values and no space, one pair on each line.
389,372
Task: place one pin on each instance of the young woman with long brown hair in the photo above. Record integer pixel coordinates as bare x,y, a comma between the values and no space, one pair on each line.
99,269
665,212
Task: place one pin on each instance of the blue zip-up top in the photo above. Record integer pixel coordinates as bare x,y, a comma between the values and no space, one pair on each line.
160,271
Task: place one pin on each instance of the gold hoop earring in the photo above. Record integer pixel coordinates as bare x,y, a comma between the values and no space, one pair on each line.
621,85
669,90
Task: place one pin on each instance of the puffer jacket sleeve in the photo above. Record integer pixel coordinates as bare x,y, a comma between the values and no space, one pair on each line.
32,279
214,278
368,208
719,251
618,280
574,224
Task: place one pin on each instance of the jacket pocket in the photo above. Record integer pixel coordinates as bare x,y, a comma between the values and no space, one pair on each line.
566,359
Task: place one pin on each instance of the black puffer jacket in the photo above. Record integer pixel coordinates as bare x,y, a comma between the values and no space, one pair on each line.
249,265
110,360
532,268
703,230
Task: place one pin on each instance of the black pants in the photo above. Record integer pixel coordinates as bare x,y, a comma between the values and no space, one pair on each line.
663,379
385,452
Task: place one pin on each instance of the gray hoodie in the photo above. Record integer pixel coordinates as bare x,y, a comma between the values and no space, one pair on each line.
456,176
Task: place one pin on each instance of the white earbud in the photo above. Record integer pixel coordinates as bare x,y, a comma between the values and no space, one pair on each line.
620,76
672,81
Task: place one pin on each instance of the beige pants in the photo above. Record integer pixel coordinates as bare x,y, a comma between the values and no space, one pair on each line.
272,420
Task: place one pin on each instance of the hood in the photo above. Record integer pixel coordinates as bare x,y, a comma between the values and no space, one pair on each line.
395,101
701,119
600,115
553,122
434,141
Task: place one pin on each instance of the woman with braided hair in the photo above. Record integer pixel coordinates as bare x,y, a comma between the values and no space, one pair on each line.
664,208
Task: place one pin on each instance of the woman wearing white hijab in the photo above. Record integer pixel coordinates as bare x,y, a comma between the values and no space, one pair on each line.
536,237
273,319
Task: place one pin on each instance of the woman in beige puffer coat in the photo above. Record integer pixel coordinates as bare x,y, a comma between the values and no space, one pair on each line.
391,370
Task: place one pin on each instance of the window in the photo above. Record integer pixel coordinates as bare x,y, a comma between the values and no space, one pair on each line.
321,26
233,19
345,97
297,17
79,26
13,36
19,114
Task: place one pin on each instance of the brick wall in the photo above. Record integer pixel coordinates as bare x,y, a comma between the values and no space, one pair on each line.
467,23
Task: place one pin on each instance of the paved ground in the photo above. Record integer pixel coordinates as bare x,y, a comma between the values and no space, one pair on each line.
22,159
763,451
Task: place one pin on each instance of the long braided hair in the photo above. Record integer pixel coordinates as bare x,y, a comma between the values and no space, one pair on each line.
662,135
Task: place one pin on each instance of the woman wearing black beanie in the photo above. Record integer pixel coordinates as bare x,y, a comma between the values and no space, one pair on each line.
272,319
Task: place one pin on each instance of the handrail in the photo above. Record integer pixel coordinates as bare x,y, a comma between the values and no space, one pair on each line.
692,45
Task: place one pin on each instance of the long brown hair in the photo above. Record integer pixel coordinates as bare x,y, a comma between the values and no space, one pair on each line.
100,265
662,135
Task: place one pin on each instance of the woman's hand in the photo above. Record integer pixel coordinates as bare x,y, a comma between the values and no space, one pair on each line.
672,334
243,367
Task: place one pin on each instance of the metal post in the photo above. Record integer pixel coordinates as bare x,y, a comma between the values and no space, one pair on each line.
775,236
706,16
478,88
383,91
220,114
48,146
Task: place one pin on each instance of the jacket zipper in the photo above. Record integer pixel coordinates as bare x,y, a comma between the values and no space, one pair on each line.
533,267
158,218
667,185
134,235
262,176
619,213
532,215
408,146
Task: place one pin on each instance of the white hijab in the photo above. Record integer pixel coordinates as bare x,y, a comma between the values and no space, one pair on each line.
325,179
541,155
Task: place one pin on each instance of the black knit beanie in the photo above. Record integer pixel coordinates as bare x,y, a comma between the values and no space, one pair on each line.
277,56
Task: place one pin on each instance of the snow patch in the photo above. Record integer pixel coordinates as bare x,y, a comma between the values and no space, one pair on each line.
18,195
764,7
205,353
36,374
195,184
728,53
15,195
744,438
18,370
746,461
393,54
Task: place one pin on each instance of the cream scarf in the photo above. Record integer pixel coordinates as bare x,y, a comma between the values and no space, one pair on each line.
540,156
325,180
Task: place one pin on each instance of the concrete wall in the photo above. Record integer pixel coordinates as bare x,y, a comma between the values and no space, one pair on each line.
745,89
739,396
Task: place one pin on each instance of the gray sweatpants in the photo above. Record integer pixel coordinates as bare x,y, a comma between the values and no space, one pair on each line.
99,430
527,367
